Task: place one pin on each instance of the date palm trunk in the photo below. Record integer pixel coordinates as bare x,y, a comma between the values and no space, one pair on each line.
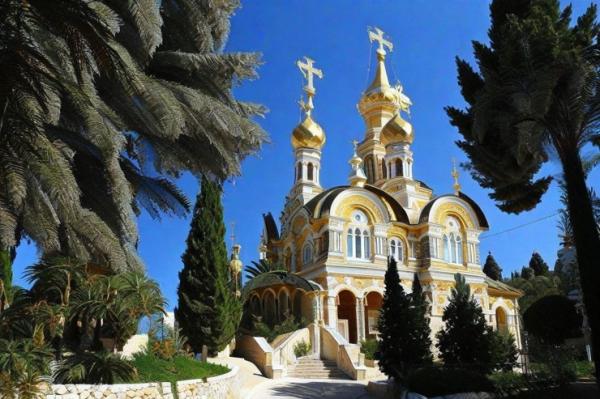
587,243
6,258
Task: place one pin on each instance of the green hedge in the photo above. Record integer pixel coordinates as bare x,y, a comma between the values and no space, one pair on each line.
153,369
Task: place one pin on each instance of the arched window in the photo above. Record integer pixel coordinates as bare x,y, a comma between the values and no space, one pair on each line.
396,249
309,171
299,171
307,255
358,244
453,250
383,169
399,171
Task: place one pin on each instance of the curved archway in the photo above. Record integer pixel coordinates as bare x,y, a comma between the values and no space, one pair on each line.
297,305
373,303
501,320
269,308
346,315
284,304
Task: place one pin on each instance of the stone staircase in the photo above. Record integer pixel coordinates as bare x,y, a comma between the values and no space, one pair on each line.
316,369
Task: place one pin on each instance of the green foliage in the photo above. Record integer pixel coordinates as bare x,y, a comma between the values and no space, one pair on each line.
527,273
419,342
564,323
288,325
370,348
262,266
395,327
151,369
103,103
5,278
556,363
302,348
504,351
208,310
94,368
165,341
466,339
438,381
22,364
535,288
492,269
536,95
538,265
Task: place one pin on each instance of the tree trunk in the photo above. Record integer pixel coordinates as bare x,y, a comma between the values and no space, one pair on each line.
6,259
587,244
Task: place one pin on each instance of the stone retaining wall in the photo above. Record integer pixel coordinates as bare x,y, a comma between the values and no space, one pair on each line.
152,390
224,386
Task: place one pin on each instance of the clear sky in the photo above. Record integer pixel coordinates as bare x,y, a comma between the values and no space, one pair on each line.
427,35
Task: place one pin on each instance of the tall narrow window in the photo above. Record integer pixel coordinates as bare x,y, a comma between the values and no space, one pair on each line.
350,244
459,250
383,169
357,239
396,249
309,171
299,171
399,171
447,249
366,245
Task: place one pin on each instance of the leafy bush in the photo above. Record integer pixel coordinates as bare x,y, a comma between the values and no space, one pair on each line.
369,347
504,351
22,363
289,324
302,348
94,368
564,323
508,380
438,381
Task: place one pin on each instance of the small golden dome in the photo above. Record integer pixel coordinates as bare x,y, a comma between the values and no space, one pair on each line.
397,130
308,134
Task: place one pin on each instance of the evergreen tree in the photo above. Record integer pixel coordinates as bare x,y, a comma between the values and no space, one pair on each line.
420,338
538,265
535,93
466,339
208,311
491,268
526,273
394,326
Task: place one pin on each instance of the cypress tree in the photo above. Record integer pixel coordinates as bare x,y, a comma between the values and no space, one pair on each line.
491,268
538,265
466,340
420,338
526,273
208,311
394,326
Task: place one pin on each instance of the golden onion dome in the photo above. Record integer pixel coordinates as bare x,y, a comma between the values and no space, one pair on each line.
397,130
308,134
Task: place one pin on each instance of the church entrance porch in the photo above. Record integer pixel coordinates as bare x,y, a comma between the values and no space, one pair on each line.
373,302
346,316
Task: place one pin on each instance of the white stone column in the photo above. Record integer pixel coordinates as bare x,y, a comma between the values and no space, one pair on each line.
331,312
360,319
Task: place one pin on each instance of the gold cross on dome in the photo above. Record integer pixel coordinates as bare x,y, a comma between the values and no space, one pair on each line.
309,71
456,184
377,36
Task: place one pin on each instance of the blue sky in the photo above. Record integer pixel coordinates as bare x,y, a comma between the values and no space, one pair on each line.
427,35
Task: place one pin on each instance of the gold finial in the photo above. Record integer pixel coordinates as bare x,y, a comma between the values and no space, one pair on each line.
355,145
309,72
232,236
456,184
376,35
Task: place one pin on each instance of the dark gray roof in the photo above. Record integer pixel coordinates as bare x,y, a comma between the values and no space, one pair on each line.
278,277
270,227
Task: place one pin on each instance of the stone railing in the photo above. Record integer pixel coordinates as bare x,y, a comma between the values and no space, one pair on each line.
225,386
347,356
258,351
283,354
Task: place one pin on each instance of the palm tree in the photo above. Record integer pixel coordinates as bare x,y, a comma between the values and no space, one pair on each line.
101,104
262,266
94,368
537,93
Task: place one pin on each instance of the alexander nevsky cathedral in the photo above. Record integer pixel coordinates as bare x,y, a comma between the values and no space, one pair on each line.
334,242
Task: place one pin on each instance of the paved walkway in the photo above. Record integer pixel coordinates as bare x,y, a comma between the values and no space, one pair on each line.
250,375
293,388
